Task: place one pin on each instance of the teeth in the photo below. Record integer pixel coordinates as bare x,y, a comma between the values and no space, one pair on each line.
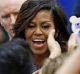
38,40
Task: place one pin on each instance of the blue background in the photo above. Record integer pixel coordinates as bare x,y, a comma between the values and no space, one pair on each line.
68,6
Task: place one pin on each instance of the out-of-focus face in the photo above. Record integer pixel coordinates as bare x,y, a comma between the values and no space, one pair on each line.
8,12
36,33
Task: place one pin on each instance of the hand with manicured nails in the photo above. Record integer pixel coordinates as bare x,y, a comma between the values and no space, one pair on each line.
53,45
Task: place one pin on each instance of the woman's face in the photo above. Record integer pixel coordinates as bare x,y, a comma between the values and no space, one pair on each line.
36,33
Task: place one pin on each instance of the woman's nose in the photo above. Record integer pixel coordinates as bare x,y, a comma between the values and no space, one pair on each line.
38,31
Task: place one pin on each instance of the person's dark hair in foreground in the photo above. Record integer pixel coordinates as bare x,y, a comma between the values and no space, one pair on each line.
14,58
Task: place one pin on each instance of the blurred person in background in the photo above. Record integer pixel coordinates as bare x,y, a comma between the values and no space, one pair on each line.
8,12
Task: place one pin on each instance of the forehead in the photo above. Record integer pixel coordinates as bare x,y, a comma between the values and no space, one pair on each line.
10,5
43,15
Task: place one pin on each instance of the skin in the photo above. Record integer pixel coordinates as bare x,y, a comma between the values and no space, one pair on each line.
54,49
71,64
73,43
36,35
8,13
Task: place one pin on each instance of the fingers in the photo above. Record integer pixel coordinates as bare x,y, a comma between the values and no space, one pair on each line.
51,34
51,38
53,45
72,43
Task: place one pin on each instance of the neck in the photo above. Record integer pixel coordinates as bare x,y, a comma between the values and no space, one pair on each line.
39,59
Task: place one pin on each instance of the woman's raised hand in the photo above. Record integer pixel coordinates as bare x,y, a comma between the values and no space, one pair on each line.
53,45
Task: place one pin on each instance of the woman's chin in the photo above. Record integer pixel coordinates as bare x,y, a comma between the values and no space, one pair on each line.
39,51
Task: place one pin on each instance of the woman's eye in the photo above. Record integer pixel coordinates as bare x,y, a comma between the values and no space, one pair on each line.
31,26
45,26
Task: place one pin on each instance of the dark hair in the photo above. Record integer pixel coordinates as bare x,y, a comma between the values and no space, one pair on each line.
5,34
30,8
15,58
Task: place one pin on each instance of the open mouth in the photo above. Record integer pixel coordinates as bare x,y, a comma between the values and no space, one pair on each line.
38,42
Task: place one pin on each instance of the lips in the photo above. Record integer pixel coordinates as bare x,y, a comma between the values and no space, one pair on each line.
38,42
